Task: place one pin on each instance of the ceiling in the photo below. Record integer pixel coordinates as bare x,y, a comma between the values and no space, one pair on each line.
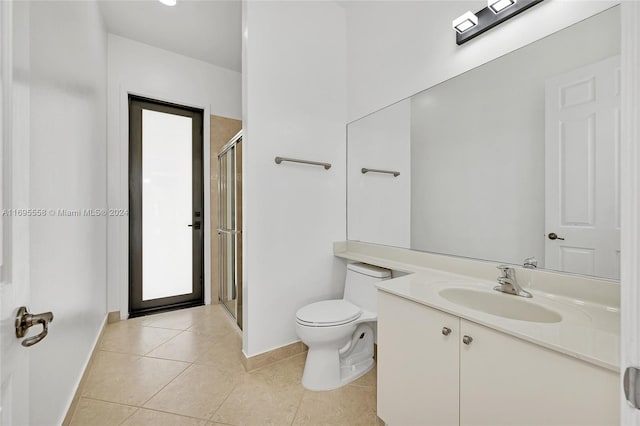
210,31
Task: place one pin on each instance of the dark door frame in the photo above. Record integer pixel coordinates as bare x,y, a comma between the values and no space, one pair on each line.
137,306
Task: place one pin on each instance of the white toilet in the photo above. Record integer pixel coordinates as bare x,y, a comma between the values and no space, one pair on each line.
340,333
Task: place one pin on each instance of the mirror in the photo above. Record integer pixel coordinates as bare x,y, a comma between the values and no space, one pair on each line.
516,159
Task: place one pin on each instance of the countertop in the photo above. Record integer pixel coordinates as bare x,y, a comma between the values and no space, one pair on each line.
588,330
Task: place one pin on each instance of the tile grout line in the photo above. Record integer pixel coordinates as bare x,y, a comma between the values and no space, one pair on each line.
168,383
129,416
110,402
170,339
225,400
173,414
299,405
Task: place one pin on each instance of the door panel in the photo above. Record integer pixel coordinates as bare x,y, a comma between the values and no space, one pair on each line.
15,285
577,172
418,375
230,227
582,171
166,206
507,381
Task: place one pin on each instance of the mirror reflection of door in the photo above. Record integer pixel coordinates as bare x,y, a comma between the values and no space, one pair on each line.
583,170
165,206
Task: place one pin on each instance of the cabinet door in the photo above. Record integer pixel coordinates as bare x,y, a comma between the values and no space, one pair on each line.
507,381
417,364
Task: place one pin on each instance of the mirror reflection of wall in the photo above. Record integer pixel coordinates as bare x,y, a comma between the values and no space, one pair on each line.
497,159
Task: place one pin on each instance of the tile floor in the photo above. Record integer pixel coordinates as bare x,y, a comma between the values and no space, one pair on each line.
184,368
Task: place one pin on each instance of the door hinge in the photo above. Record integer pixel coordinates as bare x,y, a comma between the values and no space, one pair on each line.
631,384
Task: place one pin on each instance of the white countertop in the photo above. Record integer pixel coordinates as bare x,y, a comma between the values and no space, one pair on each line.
588,330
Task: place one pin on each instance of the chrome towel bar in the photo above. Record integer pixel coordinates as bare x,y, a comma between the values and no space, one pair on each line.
326,166
390,172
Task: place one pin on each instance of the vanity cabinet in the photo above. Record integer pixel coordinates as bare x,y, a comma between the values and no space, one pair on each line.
429,376
418,366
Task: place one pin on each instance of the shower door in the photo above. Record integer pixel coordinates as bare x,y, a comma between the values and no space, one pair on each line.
230,227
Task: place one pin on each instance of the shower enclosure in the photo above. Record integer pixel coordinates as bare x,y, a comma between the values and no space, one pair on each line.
230,226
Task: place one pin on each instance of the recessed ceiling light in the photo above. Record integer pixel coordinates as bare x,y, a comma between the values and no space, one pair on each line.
498,6
465,22
168,2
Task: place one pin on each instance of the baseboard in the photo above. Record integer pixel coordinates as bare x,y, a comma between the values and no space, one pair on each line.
87,367
278,354
283,352
113,317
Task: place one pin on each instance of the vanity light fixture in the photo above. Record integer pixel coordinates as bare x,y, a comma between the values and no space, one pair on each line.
498,6
496,12
465,22
168,2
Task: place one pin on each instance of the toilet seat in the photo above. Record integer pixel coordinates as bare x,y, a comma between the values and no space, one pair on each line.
328,313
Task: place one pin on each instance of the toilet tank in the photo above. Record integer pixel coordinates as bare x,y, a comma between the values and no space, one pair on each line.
360,285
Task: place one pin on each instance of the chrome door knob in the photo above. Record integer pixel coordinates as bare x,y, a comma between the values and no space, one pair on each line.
446,331
26,320
467,340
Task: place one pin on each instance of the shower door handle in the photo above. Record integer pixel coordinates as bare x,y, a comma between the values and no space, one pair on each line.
195,225
228,231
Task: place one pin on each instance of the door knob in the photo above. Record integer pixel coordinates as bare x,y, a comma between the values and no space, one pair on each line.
554,236
446,331
25,320
467,340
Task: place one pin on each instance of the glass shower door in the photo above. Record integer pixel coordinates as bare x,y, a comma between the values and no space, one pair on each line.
229,229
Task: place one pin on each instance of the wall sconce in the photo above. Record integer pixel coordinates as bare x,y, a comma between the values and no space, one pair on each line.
496,12
498,6
465,22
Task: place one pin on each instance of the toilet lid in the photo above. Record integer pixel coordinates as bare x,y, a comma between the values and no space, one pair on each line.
328,313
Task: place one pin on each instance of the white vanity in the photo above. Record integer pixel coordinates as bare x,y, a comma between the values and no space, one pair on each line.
501,359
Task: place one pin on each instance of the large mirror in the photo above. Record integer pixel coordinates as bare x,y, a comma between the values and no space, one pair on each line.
516,159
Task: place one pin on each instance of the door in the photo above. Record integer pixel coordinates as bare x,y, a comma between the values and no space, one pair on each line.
166,201
507,381
230,227
14,283
582,142
418,375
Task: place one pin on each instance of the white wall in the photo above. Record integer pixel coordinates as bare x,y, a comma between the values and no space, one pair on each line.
294,92
140,69
379,205
478,152
399,48
65,77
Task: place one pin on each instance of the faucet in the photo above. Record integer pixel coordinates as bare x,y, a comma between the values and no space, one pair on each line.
508,282
531,263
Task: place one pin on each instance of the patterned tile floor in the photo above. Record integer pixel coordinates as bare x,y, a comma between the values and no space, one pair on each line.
184,368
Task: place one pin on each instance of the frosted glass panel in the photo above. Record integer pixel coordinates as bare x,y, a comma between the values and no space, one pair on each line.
166,205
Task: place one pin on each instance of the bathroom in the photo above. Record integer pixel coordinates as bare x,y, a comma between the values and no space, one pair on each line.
307,70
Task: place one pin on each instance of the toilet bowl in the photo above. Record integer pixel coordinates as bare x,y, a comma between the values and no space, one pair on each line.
340,333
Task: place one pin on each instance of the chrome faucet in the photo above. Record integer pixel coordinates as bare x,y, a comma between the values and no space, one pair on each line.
508,282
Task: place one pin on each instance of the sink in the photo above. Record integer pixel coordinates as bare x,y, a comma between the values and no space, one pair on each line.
502,305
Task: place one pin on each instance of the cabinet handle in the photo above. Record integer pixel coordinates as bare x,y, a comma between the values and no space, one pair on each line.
467,340
446,331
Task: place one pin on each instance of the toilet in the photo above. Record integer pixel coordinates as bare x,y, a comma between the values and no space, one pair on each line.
340,333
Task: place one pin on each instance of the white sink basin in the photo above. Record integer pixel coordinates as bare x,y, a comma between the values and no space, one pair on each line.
499,304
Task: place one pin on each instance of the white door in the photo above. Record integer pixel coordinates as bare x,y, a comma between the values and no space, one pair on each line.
53,255
14,233
582,149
